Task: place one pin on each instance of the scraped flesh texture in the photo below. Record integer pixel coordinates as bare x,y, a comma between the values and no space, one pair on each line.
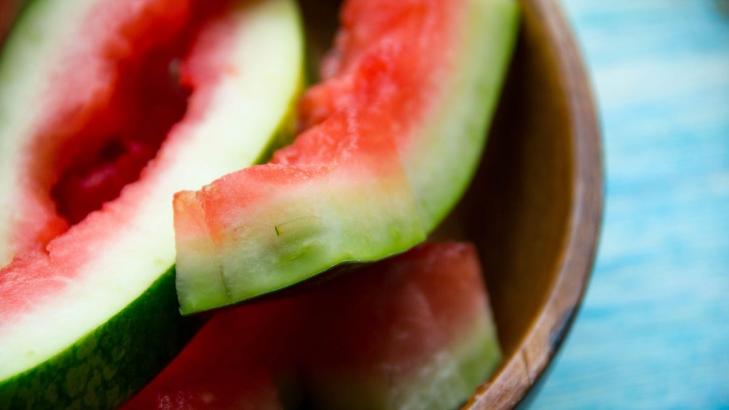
82,116
342,180
107,113
109,109
414,331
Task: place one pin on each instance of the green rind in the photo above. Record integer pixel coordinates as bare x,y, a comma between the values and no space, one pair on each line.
21,13
442,164
109,364
478,360
14,11
292,243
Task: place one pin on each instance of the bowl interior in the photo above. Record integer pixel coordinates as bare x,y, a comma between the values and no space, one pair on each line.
518,207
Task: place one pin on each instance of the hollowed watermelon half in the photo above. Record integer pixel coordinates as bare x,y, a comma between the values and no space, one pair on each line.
107,108
411,332
390,140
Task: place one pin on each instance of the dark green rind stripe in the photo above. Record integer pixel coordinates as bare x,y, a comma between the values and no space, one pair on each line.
111,363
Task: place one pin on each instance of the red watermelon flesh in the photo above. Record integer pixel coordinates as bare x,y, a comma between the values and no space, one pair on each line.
84,110
414,331
123,129
253,389
108,114
232,363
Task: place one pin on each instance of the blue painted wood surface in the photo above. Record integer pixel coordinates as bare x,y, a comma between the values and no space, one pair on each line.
654,329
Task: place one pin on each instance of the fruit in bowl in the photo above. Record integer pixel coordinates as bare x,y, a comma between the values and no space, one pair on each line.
390,140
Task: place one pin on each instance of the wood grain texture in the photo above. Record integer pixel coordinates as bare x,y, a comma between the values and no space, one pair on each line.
653,332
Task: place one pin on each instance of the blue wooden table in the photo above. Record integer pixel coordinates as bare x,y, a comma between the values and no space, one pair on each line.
654,329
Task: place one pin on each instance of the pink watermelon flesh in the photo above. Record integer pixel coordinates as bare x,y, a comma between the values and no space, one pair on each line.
414,331
107,116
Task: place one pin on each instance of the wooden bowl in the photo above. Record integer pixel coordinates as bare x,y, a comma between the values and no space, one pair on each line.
535,208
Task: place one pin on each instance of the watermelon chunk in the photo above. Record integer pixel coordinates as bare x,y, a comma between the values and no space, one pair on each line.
108,108
390,141
414,332
411,332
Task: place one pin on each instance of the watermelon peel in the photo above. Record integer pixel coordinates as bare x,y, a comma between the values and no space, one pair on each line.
391,139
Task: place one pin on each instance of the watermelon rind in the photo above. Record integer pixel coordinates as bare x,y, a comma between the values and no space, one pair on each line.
356,212
442,164
110,363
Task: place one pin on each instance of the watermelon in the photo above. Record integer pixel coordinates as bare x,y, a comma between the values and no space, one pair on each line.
389,142
107,108
411,332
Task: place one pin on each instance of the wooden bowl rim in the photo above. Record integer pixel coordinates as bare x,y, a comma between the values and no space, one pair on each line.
523,369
